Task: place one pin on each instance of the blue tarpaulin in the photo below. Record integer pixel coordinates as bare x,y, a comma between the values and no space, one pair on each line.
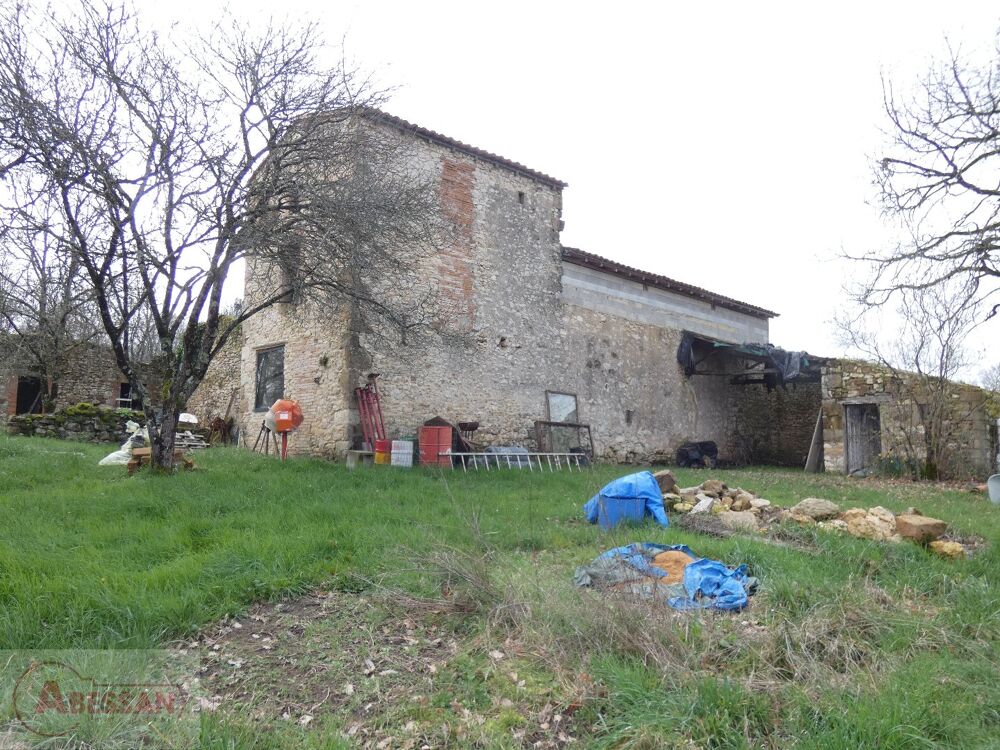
707,583
710,584
628,498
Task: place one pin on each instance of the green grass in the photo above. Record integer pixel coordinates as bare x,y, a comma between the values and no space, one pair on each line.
850,644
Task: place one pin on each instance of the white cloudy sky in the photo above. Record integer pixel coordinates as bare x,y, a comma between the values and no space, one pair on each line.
723,144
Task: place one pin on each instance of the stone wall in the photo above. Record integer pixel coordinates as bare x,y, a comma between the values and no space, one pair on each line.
774,427
219,391
972,443
92,376
510,331
631,300
316,343
95,426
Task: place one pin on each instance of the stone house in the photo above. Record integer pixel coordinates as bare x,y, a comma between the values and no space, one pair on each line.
540,332
91,376
874,415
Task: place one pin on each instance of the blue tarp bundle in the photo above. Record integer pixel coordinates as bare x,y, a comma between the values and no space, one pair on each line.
707,583
629,498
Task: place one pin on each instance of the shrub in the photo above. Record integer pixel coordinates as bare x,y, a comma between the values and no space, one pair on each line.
83,409
133,414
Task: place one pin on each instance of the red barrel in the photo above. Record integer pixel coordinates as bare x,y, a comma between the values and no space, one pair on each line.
383,451
435,441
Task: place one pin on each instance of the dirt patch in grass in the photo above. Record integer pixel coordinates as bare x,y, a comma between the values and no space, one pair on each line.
409,679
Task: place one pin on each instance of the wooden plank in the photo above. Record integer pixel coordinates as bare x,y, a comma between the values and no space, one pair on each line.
814,462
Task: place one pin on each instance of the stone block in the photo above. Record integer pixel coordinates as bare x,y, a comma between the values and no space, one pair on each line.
817,508
666,480
713,487
920,528
952,550
705,504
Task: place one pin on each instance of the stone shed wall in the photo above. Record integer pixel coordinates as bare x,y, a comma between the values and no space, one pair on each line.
531,331
92,376
774,427
968,425
220,389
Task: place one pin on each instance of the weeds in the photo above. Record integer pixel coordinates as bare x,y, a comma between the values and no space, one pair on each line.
849,644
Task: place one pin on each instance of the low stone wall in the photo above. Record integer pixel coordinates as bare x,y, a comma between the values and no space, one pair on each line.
90,375
91,425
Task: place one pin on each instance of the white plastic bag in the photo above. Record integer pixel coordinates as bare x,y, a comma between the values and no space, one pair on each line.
138,436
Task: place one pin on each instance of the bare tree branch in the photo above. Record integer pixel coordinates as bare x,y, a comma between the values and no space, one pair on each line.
939,176
161,166
923,357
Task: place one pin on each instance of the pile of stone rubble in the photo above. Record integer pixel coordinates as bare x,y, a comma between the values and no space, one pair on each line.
742,510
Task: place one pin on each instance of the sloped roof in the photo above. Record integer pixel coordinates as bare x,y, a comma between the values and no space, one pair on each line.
443,140
597,263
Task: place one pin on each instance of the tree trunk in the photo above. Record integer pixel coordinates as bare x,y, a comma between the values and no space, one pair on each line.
52,393
162,435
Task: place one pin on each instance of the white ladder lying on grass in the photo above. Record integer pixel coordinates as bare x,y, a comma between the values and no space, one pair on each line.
554,461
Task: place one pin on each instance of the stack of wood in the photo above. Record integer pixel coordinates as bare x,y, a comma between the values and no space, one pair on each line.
187,440
141,456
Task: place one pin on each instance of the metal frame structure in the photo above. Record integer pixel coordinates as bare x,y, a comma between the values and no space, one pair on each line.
583,434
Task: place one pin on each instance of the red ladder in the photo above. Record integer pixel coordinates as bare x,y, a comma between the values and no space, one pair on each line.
370,411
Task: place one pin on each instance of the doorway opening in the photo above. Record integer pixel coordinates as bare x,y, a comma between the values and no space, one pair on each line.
29,395
863,433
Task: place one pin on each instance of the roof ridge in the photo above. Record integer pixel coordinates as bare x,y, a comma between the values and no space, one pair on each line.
599,263
444,140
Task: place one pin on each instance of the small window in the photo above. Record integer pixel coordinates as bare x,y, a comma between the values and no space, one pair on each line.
562,407
520,197
270,377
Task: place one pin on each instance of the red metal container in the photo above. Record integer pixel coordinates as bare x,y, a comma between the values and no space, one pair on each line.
383,451
433,442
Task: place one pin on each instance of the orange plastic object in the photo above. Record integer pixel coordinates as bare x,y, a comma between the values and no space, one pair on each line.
287,415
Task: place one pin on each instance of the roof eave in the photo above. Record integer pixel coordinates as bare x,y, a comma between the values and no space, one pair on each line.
440,139
597,263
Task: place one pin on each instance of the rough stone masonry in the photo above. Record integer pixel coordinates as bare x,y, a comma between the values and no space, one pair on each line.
528,316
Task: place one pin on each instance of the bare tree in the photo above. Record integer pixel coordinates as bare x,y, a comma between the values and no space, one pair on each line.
169,161
923,356
46,308
939,176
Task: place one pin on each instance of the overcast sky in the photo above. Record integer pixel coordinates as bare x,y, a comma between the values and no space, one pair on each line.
723,144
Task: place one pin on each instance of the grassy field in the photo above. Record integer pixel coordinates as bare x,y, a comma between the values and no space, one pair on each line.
444,601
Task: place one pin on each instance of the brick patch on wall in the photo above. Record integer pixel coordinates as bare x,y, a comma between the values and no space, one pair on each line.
456,282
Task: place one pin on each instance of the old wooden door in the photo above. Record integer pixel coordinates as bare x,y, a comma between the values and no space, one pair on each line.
863,433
